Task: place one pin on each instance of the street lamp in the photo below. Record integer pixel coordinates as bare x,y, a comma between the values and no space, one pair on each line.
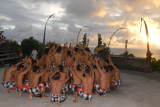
45,32
80,32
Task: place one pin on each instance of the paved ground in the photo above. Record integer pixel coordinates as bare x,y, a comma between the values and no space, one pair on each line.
137,90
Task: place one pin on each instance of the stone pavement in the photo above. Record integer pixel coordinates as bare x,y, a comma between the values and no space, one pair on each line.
137,89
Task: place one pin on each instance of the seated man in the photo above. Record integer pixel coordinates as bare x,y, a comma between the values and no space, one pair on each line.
63,76
69,62
103,86
56,88
77,56
8,83
68,59
116,74
22,87
46,77
58,56
34,87
116,78
97,78
76,83
87,80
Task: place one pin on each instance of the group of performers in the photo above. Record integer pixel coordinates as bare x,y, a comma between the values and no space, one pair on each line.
60,69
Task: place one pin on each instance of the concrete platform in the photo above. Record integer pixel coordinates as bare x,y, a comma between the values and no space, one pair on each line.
137,89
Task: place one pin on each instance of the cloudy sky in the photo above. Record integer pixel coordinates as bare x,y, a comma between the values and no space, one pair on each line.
21,19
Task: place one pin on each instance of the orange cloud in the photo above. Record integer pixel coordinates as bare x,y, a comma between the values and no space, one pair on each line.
156,3
128,8
116,23
100,13
148,7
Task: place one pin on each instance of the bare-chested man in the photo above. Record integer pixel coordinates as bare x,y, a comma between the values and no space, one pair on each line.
68,59
103,87
63,76
46,77
34,87
97,73
88,55
87,80
22,87
96,76
69,62
58,56
77,82
56,88
8,83
77,55
116,78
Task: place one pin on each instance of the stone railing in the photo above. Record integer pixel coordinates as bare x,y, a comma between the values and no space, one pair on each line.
132,63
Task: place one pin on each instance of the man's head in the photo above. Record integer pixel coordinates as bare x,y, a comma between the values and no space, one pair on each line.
87,49
78,67
107,61
56,76
46,50
94,66
84,75
69,53
33,62
87,70
110,67
19,67
35,68
106,68
12,64
76,49
116,65
59,49
60,67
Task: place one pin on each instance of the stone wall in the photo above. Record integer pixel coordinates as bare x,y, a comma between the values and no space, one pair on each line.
132,63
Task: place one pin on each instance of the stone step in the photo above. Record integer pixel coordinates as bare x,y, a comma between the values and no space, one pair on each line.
6,51
7,60
8,55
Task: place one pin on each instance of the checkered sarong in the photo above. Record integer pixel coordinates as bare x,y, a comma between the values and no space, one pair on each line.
57,97
74,87
63,63
100,90
84,65
24,88
65,89
37,90
69,73
52,66
115,82
48,85
9,84
84,95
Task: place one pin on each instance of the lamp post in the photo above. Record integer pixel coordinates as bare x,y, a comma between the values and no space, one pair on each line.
80,32
44,36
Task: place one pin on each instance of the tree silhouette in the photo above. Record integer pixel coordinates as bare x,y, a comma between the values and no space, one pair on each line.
27,45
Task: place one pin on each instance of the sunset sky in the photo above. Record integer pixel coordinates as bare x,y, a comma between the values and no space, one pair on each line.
21,19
